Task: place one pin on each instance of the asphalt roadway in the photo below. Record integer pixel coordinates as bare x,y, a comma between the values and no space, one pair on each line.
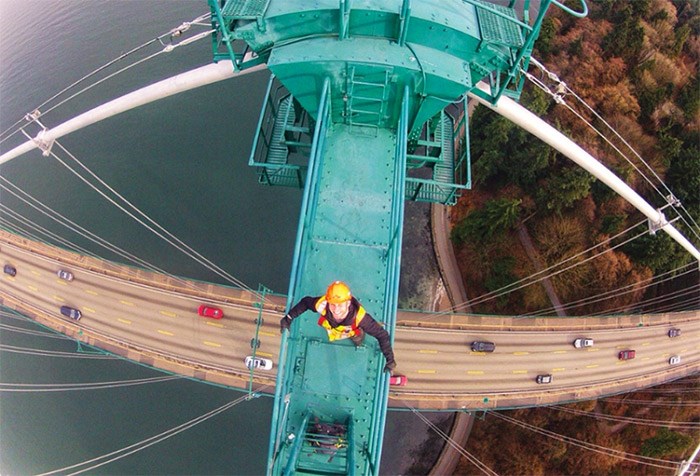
154,319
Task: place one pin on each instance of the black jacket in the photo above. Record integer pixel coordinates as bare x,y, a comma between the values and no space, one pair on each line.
367,324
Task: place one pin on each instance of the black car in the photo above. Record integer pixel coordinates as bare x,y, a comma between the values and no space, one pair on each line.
482,346
71,312
544,378
674,332
9,269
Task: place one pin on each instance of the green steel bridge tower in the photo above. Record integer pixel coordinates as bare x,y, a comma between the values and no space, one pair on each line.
365,109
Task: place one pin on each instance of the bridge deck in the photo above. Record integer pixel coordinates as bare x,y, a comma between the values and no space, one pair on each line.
432,350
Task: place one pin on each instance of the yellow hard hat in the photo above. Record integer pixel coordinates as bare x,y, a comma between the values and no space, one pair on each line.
338,292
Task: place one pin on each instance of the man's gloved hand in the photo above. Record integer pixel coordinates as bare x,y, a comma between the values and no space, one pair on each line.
285,322
390,365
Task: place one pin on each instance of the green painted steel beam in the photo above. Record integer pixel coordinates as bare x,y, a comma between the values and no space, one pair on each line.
370,73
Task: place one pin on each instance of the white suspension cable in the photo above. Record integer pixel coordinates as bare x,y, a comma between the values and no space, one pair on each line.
67,243
450,441
645,460
657,299
682,425
653,403
143,444
52,353
517,114
166,235
67,387
62,220
621,291
527,279
562,87
21,330
689,304
173,32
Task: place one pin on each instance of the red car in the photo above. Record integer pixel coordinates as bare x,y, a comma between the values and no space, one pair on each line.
626,354
398,380
213,312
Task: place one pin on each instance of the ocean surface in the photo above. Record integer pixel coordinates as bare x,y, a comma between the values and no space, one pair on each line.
183,162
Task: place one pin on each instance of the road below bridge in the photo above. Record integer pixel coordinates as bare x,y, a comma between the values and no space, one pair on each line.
152,318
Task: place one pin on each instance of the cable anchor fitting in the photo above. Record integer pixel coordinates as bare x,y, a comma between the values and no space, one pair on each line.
655,226
42,142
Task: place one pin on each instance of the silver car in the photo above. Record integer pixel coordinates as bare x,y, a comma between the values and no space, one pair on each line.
258,363
63,274
583,342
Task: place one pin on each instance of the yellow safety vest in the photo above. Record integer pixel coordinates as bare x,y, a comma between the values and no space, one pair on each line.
340,332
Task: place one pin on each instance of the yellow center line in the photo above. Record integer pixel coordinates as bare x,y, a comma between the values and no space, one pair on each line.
269,334
558,369
126,303
90,291
36,273
211,344
33,288
124,321
592,349
427,351
168,313
166,333
521,353
215,324
426,371
478,354
475,372
592,366
646,343
519,371
60,281
59,299
621,362
264,354
559,352
89,309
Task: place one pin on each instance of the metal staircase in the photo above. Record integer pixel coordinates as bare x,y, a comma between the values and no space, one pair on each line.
434,155
282,142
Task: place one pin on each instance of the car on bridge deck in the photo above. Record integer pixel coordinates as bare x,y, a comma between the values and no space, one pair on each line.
398,380
64,274
258,363
626,355
676,359
583,342
674,332
482,346
9,269
208,311
544,378
71,312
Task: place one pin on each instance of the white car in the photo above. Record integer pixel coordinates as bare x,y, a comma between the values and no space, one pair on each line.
63,274
676,359
583,342
258,363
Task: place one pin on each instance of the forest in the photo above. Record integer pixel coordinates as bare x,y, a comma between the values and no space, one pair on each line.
632,65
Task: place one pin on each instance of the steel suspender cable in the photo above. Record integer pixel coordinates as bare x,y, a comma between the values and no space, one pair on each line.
559,100
126,451
183,27
169,238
